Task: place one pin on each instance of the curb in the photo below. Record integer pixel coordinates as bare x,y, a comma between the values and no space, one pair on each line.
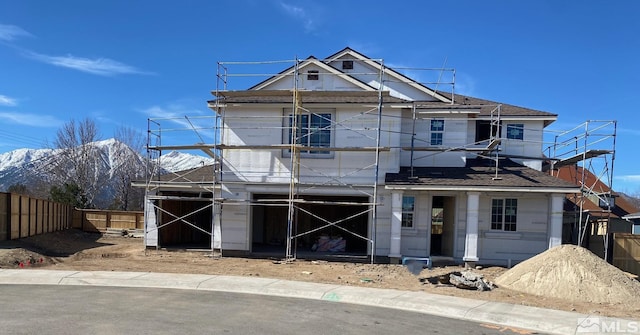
511,317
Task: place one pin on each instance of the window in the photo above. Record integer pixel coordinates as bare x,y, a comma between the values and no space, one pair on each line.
503,214
347,65
515,131
484,130
437,131
407,211
313,129
313,75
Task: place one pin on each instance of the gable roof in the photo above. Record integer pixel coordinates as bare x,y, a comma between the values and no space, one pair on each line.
309,62
482,108
479,175
389,71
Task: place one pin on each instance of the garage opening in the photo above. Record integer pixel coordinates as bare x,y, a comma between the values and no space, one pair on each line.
185,223
316,237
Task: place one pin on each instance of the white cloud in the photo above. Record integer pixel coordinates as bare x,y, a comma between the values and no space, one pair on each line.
300,14
7,101
10,32
99,66
633,178
33,120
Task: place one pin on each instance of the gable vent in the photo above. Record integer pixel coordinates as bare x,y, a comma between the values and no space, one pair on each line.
313,75
347,65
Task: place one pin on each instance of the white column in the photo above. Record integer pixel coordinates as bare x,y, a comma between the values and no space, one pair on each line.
150,222
471,239
555,220
396,224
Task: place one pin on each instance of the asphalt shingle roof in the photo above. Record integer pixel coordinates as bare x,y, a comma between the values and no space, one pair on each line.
478,173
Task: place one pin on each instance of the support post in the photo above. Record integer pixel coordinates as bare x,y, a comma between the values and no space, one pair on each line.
555,221
396,226
471,238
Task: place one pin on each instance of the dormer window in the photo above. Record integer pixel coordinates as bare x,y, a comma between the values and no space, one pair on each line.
437,131
313,75
347,65
515,131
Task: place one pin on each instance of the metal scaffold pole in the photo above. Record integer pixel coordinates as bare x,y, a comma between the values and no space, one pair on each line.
294,167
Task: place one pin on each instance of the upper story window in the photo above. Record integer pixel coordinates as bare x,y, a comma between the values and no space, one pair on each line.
437,132
347,65
313,129
313,75
484,130
408,206
515,131
504,213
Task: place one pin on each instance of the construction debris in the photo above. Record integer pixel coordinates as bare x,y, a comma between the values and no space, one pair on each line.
470,280
467,280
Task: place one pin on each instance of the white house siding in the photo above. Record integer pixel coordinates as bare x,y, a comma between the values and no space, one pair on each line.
273,166
415,241
383,222
235,220
396,86
530,146
494,247
531,235
455,135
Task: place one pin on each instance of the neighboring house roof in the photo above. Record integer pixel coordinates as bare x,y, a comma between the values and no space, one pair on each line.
632,216
573,174
478,174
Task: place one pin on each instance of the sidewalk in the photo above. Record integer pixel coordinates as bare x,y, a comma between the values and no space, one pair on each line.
507,315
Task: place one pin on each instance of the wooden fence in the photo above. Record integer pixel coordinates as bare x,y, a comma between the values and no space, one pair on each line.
23,216
626,252
95,220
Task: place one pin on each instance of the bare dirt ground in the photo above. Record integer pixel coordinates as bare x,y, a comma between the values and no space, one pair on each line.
76,250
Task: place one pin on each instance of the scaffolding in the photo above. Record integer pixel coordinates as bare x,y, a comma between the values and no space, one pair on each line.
304,181
294,184
161,140
588,150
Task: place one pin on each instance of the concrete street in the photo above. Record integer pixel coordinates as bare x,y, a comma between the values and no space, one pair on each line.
220,293
42,309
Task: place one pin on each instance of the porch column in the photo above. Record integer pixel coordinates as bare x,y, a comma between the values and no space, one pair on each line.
471,239
555,220
396,225
150,222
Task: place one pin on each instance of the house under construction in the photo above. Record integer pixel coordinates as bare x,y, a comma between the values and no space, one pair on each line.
346,157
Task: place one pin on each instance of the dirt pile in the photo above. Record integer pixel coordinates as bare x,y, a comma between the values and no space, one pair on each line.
572,273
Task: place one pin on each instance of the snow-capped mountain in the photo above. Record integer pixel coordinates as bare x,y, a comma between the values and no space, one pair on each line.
33,167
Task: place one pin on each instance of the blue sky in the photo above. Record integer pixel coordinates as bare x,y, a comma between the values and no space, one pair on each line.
121,62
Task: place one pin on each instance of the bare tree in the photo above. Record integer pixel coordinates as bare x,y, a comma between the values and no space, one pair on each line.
76,158
130,168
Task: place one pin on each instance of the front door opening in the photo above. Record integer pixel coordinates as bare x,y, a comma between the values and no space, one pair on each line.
442,225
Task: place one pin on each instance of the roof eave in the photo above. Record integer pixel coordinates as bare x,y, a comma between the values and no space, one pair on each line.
407,187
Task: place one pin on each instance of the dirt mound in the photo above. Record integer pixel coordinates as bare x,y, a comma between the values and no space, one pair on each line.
572,273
